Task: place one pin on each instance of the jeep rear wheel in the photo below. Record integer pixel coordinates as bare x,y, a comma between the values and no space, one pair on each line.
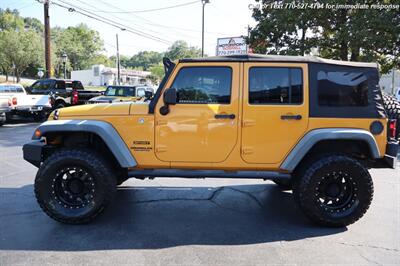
74,185
335,190
392,107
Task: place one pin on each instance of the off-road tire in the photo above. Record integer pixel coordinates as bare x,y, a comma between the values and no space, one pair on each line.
283,184
392,107
309,187
9,117
2,119
101,185
60,105
39,117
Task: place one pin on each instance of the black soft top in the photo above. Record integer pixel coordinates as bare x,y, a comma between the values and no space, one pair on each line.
278,58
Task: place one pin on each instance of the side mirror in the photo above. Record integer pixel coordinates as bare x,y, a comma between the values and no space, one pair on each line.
169,99
170,96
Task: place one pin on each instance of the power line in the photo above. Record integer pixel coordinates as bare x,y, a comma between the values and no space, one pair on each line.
135,22
149,22
148,10
82,11
143,34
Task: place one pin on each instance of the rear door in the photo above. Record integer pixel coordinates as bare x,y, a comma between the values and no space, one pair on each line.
275,110
203,125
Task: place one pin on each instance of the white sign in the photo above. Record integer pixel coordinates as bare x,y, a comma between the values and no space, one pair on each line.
231,46
40,73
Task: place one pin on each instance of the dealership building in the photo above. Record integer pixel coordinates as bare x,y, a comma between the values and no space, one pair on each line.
99,75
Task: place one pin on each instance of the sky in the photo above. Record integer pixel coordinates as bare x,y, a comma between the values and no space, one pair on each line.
223,18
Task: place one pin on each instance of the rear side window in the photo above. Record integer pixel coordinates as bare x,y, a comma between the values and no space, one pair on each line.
339,89
77,85
203,85
275,85
10,88
60,85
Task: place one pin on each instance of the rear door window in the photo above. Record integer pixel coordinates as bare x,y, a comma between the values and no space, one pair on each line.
275,85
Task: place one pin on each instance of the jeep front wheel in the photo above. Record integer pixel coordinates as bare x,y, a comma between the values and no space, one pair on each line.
335,190
74,185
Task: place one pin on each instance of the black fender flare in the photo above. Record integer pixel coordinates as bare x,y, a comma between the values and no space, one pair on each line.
103,129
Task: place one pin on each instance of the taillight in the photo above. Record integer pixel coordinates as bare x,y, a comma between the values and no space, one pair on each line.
75,97
392,128
12,101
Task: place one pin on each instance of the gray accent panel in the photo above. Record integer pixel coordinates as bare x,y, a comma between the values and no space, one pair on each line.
314,136
105,131
207,173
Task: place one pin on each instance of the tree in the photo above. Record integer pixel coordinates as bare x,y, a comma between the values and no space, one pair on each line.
345,34
34,24
102,60
145,59
80,43
20,49
157,72
10,20
180,49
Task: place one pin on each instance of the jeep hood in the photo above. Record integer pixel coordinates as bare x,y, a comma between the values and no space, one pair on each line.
102,109
96,110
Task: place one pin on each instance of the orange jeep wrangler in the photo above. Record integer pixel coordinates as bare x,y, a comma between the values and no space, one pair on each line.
309,124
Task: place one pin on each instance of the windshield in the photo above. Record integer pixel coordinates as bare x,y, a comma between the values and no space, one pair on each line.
120,91
10,88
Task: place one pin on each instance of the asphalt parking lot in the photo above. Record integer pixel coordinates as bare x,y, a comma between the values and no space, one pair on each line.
189,222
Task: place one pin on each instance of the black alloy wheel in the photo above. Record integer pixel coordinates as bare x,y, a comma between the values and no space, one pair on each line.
333,190
74,185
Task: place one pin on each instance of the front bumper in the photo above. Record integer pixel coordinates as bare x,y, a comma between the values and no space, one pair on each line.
392,149
33,152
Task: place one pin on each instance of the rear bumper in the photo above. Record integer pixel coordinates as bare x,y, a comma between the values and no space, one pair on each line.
4,110
392,149
33,152
34,109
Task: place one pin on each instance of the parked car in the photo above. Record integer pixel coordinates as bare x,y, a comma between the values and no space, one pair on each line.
63,92
23,104
311,125
4,108
123,94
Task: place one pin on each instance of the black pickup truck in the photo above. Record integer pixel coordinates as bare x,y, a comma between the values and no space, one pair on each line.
63,92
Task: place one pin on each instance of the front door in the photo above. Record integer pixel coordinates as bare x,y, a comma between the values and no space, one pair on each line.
203,125
275,110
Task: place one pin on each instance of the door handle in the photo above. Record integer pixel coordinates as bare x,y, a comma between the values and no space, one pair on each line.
291,117
224,116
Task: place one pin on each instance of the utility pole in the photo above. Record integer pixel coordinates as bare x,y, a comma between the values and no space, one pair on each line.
47,47
204,2
118,63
